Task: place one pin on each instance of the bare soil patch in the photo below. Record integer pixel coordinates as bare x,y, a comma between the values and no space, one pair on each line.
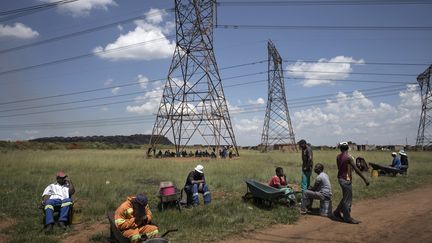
402,217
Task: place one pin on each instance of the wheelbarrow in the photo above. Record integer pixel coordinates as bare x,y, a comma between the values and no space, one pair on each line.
168,195
265,194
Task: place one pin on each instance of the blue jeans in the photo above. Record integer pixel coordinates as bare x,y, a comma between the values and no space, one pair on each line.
64,210
305,181
193,189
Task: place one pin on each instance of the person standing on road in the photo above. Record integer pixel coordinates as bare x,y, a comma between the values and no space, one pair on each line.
307,159
345,164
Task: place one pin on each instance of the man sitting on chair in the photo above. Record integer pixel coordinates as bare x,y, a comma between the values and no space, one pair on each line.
57,194
320,190
196,183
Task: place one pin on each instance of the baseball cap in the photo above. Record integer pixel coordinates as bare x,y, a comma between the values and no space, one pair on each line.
61,174
141,199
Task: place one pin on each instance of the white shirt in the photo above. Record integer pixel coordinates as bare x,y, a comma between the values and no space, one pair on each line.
57,191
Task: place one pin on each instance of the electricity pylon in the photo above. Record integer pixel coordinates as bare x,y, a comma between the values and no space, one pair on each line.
277,123
193,102
424,133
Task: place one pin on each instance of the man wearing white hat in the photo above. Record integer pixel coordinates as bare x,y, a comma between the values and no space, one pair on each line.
196,183
404,161
396,163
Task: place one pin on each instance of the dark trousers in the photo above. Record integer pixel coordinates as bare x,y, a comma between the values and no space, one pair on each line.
346,201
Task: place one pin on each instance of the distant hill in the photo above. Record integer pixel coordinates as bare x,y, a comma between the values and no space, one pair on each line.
137,139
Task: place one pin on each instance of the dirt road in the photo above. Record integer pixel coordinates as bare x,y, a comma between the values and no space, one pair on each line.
402,217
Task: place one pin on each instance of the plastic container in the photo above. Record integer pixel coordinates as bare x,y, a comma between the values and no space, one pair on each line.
325,207
166,188
374,174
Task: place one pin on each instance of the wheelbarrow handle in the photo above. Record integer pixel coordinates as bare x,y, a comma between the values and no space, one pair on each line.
169,231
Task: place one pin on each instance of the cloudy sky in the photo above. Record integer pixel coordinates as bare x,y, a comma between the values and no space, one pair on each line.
98,67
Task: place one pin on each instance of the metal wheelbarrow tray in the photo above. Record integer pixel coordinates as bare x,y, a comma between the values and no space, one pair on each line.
260,192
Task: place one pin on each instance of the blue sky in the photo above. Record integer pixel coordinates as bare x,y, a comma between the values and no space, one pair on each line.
360,99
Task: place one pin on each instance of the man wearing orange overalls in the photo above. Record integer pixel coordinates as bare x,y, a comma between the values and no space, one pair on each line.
133,219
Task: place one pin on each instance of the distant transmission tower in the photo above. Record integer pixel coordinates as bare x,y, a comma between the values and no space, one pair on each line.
277,123
193,102
424,133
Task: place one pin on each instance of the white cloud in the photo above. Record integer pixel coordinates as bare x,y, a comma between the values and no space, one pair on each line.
120,27
324,71
259,101
155,16
356,118
83,7
115,90
142,80
147,103
248,125
150,33
17,30
104,108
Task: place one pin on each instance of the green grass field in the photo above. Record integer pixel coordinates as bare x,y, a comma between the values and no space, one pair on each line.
24,174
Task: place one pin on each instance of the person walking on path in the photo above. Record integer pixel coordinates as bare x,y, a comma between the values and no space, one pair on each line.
307,159
345,164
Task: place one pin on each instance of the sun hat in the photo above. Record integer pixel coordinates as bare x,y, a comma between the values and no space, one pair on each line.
343,143
199,168
402,153
394,153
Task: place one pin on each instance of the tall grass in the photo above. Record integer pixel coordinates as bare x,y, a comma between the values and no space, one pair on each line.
26,173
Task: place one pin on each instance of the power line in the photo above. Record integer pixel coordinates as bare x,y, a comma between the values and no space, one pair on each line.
123,85
320,3
83,56
111,121
324,27
86,31
114,103
16,13
162,79
365,63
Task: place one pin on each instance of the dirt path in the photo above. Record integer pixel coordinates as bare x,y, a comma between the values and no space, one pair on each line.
403,217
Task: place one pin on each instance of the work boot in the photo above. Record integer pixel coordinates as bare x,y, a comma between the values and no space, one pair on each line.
352,221
49,229
62,225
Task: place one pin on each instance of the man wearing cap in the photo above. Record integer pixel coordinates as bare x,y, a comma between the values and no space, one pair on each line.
57,194
404,161
396,162
345,164
307,159
133,219
196,183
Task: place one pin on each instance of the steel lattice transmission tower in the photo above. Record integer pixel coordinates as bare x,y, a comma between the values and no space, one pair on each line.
193,101
277,123
424,133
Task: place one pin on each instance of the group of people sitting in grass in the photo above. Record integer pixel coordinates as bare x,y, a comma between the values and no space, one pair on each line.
133,217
